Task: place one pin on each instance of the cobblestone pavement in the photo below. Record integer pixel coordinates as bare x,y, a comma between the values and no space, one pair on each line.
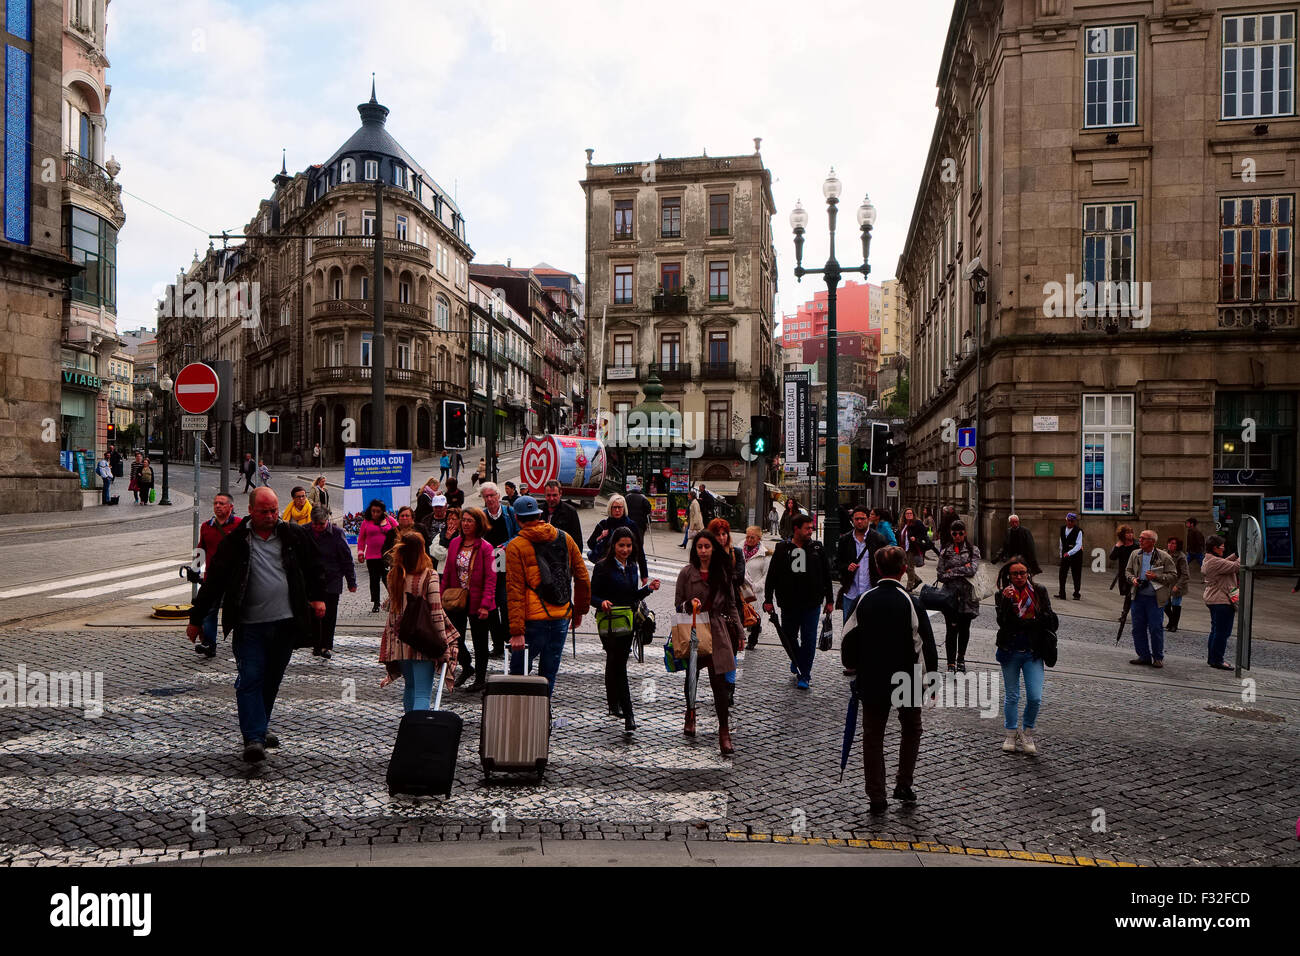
1133,766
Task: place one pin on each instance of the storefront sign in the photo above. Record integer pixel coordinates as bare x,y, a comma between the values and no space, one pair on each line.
81,379
1278,538
1245,477
659,505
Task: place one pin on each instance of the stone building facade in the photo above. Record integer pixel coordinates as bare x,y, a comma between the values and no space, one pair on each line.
306,352
681,278
1127,177
34,267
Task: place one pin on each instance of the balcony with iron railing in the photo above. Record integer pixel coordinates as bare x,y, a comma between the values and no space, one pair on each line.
717,370
365,309
89,175
671,371
350,245
673,303
349,374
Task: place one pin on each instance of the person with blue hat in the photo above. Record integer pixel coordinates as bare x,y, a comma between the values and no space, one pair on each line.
1071,553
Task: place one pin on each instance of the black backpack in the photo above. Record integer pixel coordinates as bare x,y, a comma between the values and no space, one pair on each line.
556,584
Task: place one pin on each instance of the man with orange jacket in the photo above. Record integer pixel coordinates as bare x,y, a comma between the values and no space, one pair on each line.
546,586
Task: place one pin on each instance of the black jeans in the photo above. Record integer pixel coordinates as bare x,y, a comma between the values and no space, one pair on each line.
478,629
617,693
957,636
1073,565
875,717
376,568
325,625
499,619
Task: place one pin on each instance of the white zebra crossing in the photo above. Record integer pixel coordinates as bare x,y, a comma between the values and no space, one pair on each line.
123,582
89,578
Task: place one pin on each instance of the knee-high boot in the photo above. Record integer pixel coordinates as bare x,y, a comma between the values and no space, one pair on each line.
721,697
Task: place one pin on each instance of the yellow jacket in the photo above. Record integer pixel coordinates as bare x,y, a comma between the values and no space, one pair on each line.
297,517
523,576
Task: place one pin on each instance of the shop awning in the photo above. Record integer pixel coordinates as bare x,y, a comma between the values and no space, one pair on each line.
725,488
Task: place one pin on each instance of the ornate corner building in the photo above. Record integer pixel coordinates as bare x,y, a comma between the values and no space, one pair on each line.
1126,176
292,306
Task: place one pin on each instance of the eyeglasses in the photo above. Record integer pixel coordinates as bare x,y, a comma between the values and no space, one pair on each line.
1020,574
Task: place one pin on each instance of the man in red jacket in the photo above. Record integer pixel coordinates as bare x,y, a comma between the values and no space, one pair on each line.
211,533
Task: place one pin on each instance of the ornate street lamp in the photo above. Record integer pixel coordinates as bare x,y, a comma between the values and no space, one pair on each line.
166,385
833,271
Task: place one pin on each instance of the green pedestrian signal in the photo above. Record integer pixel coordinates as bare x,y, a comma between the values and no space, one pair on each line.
760,446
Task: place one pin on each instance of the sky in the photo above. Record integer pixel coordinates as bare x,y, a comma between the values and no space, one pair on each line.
498,99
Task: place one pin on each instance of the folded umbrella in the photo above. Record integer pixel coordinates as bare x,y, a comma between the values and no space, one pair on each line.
787,641
692,669
850,727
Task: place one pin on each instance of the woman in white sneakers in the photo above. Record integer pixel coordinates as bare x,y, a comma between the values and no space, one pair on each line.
1025,616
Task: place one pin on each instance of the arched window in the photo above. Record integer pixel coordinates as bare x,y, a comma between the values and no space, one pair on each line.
442,313
348,172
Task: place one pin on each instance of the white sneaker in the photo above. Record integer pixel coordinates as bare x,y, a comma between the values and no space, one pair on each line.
1027,742
1009,745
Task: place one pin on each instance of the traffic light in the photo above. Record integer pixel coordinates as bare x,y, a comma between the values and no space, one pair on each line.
879,461
455,425
112,433
274,427
894,457
760,435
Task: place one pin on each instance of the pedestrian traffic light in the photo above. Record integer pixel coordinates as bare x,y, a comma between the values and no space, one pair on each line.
112,433
274,427
894,456
879,449
760,434
455,425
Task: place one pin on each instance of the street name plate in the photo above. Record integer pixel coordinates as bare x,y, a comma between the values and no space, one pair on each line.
967,471
194,423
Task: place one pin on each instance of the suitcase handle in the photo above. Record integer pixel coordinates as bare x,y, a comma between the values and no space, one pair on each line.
506,659
442,682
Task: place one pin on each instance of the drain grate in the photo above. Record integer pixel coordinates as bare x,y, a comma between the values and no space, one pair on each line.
1247,713
166,691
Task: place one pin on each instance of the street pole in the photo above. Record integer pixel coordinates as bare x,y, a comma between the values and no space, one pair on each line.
979,433
378,417
167,447
490,438
194,587
257,447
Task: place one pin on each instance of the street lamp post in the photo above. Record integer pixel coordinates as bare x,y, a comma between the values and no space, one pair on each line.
146,424
831,189
166,385
978,278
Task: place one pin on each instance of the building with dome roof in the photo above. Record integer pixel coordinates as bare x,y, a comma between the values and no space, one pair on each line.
307,262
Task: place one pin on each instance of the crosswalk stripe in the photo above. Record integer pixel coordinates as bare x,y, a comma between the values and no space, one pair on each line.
183,589
121,585
90,578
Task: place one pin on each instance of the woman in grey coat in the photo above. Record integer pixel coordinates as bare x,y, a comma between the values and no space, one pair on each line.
958,564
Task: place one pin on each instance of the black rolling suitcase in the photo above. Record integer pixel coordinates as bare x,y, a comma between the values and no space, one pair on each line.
424,756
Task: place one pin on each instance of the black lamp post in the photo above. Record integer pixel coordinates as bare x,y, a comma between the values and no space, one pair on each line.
166,385
146,424
832,271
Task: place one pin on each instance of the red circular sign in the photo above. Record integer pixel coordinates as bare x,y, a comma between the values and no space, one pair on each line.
196,388
668,472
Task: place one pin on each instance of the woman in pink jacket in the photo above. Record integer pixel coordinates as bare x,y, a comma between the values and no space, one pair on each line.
370,546
469,566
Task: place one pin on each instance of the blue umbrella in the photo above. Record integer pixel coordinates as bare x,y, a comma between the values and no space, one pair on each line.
850,727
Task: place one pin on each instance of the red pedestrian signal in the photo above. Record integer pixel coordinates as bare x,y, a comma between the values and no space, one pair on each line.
274,427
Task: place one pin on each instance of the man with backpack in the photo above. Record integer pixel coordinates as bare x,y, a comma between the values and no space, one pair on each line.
546,585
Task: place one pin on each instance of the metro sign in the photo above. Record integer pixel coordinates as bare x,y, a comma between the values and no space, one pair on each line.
196,388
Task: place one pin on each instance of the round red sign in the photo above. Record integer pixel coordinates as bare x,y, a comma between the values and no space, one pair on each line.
196,388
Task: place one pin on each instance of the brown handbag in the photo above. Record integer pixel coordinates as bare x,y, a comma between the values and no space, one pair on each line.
749,617
457,599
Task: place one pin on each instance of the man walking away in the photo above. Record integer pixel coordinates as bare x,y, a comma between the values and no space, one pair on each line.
560,514
249,471
336,564
1071,553
891,641
800,578
854,553
105,471
268,581
444,463
1195,545
501,528
547,585
211,533
639,509
1151,572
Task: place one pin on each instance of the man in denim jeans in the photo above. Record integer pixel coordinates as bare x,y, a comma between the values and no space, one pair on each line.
540,610
267,577
799,577
1151,572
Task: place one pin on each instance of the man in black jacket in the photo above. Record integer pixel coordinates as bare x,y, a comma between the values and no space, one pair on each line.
854,559
1018,542
560,514
268,579
800,578
890,642
639,509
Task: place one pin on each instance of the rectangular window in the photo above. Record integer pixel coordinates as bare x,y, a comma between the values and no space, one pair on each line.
622,285
623,351
365,348
404,293
1110,76
719,281
719,419
372,169
338,288
403,353
399,179
1108,247
979,147
1255,235
670,349
368,222
719,215
623,218
670,276
1108,454
401,228
719,348
1258,66
670,217
365,287
92,242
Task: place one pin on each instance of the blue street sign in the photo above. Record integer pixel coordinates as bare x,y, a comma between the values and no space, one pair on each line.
965,438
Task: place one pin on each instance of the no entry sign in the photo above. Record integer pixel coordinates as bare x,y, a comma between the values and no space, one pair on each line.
196,388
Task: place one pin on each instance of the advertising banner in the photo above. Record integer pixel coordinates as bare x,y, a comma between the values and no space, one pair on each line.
1278,540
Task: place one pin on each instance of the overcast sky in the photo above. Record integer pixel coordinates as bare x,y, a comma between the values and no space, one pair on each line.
498,99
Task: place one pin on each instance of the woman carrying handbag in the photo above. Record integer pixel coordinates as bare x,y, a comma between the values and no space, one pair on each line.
469,593
615,592
756,559
413,579
704,588
1026,642
958,565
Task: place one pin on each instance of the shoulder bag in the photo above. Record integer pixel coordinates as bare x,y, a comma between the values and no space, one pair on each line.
457,598
415,627
617,622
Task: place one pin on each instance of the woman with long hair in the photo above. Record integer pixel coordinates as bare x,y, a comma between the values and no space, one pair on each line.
705,589
318,496
615,583
413,578
958,564
1025,616
720,528
469,567
616,517
370,546
1124,546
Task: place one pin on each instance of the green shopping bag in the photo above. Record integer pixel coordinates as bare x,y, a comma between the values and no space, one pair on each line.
616,622
153,495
